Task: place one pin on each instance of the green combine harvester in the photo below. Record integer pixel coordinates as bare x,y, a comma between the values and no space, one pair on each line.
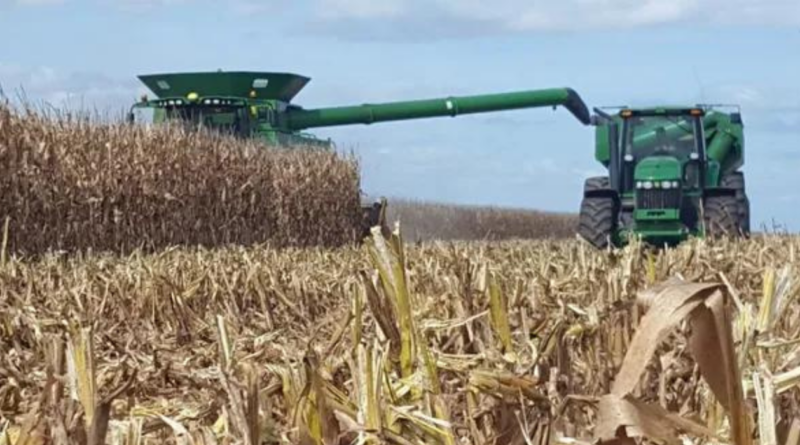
258,105
672,172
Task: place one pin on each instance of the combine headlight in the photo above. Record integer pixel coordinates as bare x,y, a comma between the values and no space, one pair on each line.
666,185
647,185
676,184
639,185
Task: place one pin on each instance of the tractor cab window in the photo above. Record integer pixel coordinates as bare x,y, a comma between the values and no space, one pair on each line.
647,136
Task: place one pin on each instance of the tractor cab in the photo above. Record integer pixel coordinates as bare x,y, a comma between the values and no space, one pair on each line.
661,150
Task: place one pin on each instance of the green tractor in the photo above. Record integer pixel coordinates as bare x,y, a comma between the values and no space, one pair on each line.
673,173
258,105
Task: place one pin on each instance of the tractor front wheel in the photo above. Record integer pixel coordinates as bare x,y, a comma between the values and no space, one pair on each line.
597,221
721,216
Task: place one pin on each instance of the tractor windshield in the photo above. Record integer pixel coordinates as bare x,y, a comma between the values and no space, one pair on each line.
659,135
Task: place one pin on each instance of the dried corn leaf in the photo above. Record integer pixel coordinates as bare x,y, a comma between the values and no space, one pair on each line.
707,309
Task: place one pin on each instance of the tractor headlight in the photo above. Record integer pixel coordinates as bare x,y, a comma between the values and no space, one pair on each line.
647,185
666,185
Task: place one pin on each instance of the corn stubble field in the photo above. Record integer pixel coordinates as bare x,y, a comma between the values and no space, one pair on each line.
502,342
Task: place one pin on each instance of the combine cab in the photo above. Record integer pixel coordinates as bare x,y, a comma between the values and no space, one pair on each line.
672,173
258,105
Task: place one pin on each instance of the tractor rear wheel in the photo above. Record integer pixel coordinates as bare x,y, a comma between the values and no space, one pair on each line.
735,181
597,221
721,216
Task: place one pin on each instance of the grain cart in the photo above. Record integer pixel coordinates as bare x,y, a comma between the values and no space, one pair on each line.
259,105
672,173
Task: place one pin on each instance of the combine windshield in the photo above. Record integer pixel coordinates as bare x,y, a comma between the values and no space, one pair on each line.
228,120
647,136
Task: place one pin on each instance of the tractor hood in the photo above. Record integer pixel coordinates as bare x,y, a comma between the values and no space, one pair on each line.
658,168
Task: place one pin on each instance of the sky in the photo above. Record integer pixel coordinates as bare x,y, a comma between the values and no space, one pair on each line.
87,53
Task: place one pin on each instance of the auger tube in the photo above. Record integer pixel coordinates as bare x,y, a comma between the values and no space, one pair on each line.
301,119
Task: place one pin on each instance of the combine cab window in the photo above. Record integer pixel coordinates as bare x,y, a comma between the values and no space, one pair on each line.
228,120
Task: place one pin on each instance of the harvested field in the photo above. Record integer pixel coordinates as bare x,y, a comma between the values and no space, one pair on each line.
68,183
424,221
515,342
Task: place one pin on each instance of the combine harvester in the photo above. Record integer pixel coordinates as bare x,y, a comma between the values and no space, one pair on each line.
257,105
672,171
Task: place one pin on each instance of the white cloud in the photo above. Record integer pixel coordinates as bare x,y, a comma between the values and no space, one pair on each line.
363,9
524,15
767,108
34,2
73,90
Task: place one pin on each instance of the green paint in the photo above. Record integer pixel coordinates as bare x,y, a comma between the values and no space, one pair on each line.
444,107
658,168
277,86
656,215
602,144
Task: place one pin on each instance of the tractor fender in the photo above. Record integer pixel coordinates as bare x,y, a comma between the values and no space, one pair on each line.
601,193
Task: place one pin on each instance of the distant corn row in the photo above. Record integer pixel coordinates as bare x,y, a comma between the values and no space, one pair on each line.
68,183
482,343
428,220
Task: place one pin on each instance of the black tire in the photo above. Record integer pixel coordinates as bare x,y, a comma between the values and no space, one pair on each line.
596,183
736,181
597,221
374,215
721,216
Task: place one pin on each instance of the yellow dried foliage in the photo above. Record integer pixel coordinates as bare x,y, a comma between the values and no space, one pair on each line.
71,183
441,343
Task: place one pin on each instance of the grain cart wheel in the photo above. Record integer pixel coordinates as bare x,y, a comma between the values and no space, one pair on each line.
721,216
735,181
597,221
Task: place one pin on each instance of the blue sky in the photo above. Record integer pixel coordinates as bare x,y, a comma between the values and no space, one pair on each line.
87,53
